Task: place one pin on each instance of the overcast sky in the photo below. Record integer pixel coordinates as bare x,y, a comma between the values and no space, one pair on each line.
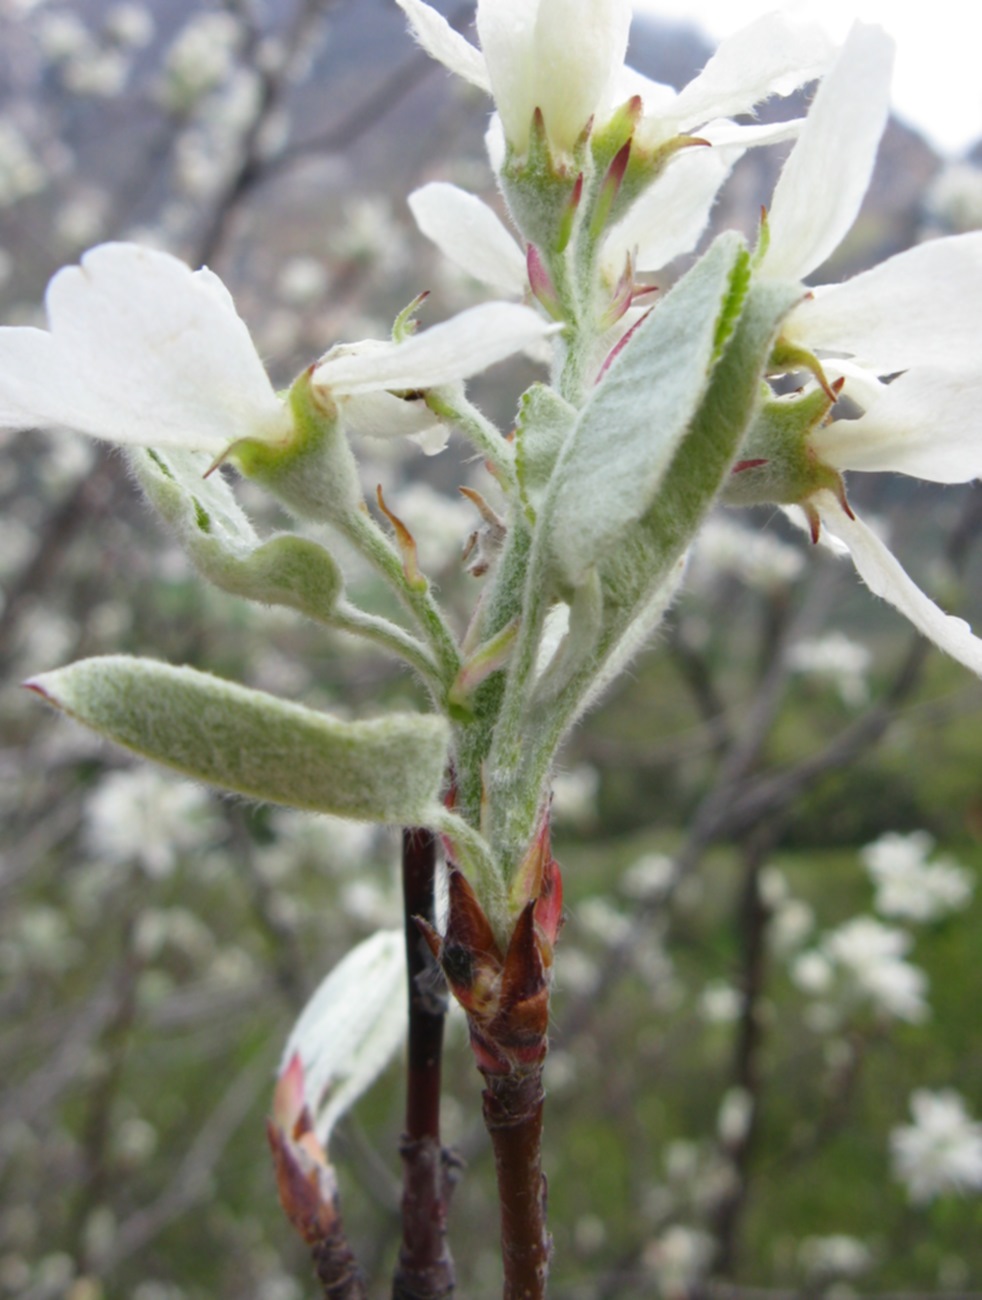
938,77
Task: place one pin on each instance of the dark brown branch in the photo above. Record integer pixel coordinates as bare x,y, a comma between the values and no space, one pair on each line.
425,1269
513,1116
747,1073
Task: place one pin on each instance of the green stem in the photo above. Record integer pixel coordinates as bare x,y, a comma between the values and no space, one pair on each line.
484,436
362,531
390,636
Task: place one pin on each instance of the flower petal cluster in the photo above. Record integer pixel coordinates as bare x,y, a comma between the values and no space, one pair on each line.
941,1151
774,55
561,57
914,320
139,350
908,885
143,351
864,962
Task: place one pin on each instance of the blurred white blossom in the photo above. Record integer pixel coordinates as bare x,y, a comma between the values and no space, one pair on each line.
21,171
302,280
908,885
754,557
862,963
720,1003
145,817
574,796
599,918
735,1116
649,877
941,1151
678,1258
200,59
954,198
837,1255
131,25
837,659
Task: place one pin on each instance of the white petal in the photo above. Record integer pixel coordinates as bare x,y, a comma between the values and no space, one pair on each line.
495,143
726,134
885,577
927,423
671,215
923,306
579,49
506,29
351,1027
823,182
143,351
471,235
459,347
772,56
442,43
382,415
862,385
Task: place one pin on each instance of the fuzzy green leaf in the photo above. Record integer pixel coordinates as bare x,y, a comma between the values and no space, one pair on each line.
544,423
632,577
629,430
386,770
218,536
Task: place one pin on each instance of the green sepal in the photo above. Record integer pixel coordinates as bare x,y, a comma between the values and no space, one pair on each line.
313,473
545,421
777,465
628,431
221,542
539,187
608,140
250,743
644,167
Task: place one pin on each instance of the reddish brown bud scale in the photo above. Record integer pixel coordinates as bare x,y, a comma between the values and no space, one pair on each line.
305,1189
549,904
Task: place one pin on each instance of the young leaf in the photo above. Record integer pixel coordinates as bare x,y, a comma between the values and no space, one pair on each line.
632,577
351,1027
218,536
251,743
628,432
544,424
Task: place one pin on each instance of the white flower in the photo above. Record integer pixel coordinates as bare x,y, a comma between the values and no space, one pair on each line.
720,1003
141,350
907,885
364,379
574,796
351,1028
773,55
149,818
941,1151
758,559
835,1256
559,56
842,661
919,312
736,1113
679,1258
870,958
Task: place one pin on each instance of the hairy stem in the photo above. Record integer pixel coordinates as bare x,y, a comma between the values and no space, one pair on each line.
425,1269
484,436
362,531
